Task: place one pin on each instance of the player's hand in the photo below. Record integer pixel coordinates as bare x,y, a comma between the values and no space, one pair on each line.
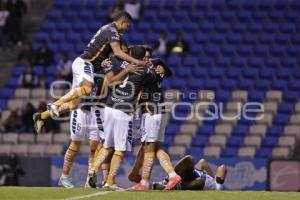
140,62
160,70
135,69
105,63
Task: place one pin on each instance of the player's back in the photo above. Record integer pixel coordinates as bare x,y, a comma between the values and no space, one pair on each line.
99,47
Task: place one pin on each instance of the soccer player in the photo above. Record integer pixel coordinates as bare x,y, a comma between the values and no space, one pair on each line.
153,130
118,115
104,42
197,176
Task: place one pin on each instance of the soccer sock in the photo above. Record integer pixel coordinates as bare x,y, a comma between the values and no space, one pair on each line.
67,107
138,162
68,161
105,170
45,115
147,167
73,94
102,155
165,162
91,160
99,147
114,167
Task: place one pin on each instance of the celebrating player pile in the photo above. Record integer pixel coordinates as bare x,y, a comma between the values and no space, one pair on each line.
117,82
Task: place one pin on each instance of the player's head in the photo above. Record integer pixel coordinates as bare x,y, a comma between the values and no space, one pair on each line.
137,52
148,53
124,46
123,20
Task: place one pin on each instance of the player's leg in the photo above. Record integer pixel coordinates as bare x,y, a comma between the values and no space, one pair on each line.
83,79
77,135
167,166
134,175
105,167
93,147
108,145
220,177
185,167
148,162
203,165
123,142
40,118
70,154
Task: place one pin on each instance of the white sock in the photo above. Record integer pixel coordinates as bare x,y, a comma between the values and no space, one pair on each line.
145,182
172,174
219,186
64,176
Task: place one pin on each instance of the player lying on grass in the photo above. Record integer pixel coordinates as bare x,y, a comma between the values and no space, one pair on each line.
197,176
118,115
104,42
152,130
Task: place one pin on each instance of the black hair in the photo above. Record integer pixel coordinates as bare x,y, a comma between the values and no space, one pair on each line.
124,16
138,52
149,49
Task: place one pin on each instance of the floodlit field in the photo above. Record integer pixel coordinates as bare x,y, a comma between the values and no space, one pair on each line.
34,193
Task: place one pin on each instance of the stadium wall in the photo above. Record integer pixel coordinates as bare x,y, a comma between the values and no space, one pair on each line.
243,174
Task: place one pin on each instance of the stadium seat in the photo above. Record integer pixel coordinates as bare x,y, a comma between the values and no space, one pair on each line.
54,150
281,152
212,151
229,152
177,150
26,138
245,152
36,150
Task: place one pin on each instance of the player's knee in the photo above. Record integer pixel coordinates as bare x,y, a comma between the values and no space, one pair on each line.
86,89
75,145
202,161
119,153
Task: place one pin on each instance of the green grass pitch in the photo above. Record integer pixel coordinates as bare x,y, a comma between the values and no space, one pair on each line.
40,193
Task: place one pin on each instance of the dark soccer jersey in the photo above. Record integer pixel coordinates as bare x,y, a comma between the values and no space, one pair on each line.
152,96
99,47
125,94
99,94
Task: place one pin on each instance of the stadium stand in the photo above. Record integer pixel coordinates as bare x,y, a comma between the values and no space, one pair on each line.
240,51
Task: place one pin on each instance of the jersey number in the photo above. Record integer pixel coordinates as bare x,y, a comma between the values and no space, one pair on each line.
124,83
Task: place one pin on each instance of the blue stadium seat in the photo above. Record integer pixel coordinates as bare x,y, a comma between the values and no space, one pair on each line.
245,84
216,72
3,103
183,72
269,141
12,83
222,95
73,38
281,119
275,130
180,15
263,153
254,27
70,15
178,84
286,108
58,36
196,15
190,27
6,93
49,26
54,15
190,61
38,70
256,95
79,27
279,85
200,72
229,152
174,60
235,141
86,14
172,129
18,70
291,96
212,84
205,130
168,140
267,73
244,50
250,73
240,130
200,141
233,73
196,152
229,84
76,4
42,36
262,84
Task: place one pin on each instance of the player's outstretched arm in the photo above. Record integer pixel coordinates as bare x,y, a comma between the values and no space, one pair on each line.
113,79
203,165
120,54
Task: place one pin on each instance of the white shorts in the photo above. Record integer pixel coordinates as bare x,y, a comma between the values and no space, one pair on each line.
153,127
118,129
87,123
210,182
82,70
